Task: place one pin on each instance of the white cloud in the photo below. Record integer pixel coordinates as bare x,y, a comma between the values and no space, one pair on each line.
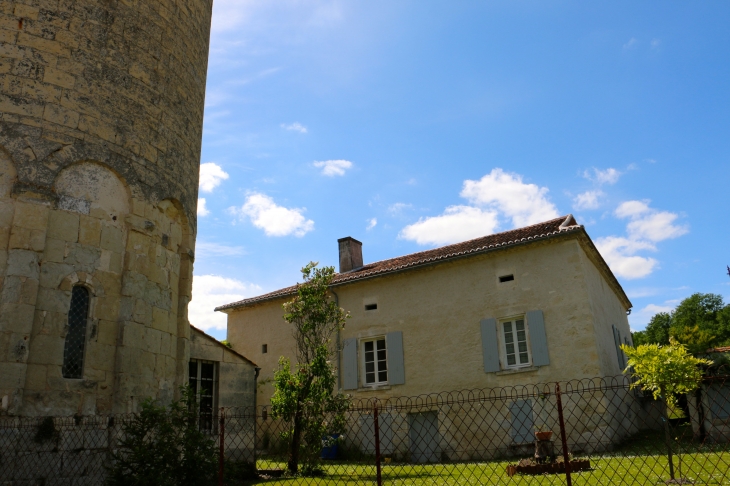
333,168
211,291
631,44
205,249
620,255
275,220
458,223
649,224
397,209
606,176
371,223
524,204
294,127
646,227
211,175
655,43
632,209
587,200
202,209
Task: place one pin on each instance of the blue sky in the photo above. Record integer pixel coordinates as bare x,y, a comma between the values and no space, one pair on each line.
412,124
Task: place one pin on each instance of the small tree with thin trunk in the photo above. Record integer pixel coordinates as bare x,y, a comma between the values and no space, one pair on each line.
305,397
666,372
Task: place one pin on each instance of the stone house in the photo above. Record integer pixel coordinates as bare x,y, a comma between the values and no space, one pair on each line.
531,305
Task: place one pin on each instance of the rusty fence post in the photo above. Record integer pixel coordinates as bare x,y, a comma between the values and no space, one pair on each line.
377,442
563,437
221,446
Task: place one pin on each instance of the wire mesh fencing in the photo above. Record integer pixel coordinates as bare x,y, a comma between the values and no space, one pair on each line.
581,432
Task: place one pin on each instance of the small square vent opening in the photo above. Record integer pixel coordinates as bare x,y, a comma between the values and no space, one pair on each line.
506,278
371,307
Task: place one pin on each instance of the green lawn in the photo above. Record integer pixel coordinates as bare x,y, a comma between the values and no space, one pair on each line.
641,460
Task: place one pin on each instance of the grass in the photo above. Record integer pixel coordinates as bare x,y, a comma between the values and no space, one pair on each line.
642,460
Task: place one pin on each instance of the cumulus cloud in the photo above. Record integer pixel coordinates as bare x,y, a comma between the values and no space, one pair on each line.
587,200
620,255
275,220
211,291
606,176
333,168
294,127
646,227
371,223
211,176
649,224
458,223
523,203
202,209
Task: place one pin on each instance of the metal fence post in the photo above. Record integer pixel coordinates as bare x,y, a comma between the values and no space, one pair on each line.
377,442
221,447
563,437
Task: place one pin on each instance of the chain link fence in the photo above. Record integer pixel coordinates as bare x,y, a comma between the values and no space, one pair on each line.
582,432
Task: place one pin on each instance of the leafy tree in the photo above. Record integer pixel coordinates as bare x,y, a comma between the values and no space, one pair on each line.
305,397
657,331
700,321
163,446
666,372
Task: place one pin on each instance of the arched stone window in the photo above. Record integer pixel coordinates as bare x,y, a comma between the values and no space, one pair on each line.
73,350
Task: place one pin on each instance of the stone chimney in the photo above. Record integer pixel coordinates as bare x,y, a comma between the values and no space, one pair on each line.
350,254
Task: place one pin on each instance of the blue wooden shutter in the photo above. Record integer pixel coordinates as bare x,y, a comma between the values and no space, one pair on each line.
490,348
538,338
349,364
617,343
522,421
394,353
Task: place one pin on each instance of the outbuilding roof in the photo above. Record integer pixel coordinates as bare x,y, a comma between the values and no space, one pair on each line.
540,231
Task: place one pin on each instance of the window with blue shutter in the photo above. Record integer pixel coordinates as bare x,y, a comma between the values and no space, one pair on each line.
538,338
490,346
396,364
349,364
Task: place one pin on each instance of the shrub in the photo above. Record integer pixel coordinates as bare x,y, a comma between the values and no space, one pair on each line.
163,446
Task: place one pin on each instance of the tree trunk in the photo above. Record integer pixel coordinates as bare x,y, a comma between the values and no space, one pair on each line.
668,437
293,464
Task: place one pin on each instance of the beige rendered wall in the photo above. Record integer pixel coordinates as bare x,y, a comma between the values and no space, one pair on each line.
439,308
101,107
236,374
607,310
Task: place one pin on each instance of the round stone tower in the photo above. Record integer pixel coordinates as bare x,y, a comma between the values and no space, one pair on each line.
101,114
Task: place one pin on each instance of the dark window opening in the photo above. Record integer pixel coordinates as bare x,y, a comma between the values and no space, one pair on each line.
264,414
506,278
203,384
371,307
264,348
73,348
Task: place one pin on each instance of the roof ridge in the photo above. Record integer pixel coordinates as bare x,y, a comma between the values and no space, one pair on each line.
544,229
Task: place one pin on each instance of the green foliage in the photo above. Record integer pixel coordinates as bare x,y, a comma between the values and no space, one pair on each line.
304,397
163,446
665,371
700,321
227,343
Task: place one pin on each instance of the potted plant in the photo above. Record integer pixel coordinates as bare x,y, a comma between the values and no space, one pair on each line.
543,433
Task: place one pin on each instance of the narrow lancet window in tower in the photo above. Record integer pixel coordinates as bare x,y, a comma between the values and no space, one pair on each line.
73,350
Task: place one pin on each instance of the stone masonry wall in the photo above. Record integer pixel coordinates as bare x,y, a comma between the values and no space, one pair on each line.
101,107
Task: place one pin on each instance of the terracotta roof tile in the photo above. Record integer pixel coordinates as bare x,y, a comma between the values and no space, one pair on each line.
514,237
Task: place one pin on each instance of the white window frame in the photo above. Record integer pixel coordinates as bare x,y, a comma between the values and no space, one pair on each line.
503,342
373,340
